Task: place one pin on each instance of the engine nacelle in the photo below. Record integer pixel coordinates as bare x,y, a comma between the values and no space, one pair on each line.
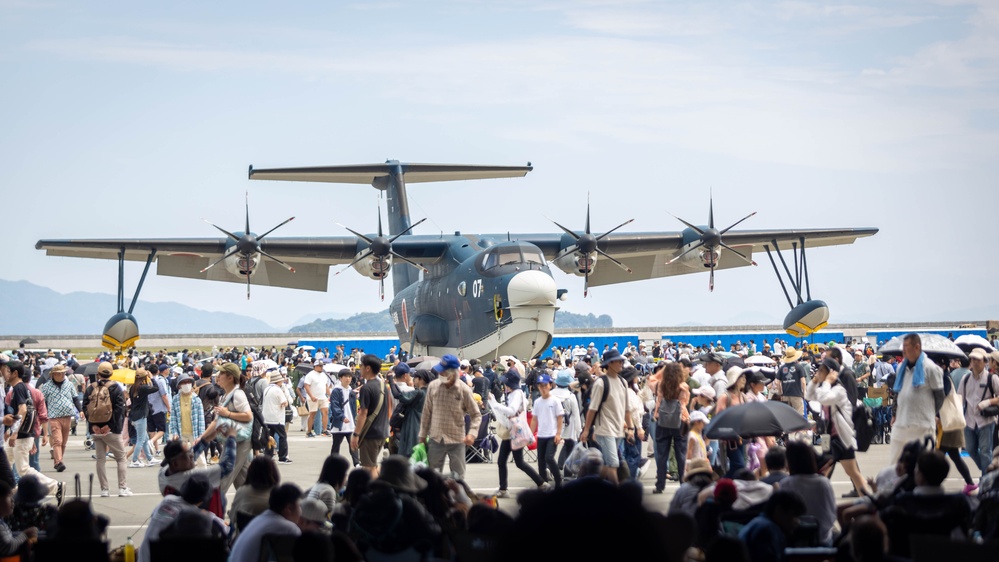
577,264
241,265
374,267
710,257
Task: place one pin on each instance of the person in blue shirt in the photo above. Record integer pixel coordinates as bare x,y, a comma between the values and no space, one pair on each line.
766,535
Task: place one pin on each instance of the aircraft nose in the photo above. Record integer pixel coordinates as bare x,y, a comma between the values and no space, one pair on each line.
531,288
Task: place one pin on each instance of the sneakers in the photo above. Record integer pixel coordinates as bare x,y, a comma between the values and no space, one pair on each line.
310,434
285,461
214,459
969,488
153,462
851,494
136,464
657,491
502,494
105,493
124,492
60,467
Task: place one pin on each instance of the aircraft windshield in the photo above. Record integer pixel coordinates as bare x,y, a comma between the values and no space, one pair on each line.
511,255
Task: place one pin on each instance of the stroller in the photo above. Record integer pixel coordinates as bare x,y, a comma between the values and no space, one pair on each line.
486,443
879,400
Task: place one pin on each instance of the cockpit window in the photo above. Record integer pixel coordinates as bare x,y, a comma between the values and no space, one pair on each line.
511,255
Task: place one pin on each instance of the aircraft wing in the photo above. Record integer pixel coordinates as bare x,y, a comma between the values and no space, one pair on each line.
186,257
647,253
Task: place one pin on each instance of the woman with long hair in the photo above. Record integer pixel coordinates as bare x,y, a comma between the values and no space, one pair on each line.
141,388
733,396
672,421
515,408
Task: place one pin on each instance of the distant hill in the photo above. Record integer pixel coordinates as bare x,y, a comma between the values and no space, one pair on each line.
30,309
382,322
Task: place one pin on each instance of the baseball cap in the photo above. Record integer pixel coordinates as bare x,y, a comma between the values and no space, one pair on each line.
172,450
447,362
105,369
545,379
232,370
163,367
4,359
401,369
978,353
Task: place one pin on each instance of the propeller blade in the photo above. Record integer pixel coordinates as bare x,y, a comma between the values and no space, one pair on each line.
587,212
355,233
247,284
381,288
364,253
247,231
409,261
379,220
567,251
586,283
690,226
566,230
692,248
279,262
737,222
261,237
711,209
231,251
611,258
394,238
711,280
738,253
231,236
625,223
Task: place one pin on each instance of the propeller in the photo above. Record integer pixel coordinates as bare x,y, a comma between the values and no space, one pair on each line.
711,240
381,247
247,245
586,244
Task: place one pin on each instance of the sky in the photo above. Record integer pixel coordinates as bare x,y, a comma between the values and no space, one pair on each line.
135,120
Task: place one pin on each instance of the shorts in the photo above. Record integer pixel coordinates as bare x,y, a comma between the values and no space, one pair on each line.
312,405
796,402
369,450
157,423
324,403
839,450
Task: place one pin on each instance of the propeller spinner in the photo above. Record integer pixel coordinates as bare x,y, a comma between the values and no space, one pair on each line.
380,249
586,246
711,241
247,245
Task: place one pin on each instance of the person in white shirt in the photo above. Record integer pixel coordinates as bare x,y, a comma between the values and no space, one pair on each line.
547,423
919,386
275,402
318,392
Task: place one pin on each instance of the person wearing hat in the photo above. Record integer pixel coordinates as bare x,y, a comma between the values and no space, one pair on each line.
513,409
60,399
274,403
978,390
317,388
104,404
792,377
734,449
547,424
159,404
442,425
565,383
697,477
314,517
608,414
188,418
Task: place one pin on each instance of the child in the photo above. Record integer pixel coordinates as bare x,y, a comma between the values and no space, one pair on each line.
547,423
696,448
10,543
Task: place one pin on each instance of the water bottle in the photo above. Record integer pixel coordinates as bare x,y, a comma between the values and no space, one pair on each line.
129,550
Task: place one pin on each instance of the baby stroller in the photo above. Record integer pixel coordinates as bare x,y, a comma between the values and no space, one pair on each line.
879,400
486,443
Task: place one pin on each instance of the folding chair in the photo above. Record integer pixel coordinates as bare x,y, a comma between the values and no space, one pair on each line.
485,444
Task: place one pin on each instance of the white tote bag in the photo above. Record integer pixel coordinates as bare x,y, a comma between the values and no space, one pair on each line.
952,412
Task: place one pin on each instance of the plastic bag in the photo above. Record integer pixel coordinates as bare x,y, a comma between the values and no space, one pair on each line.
419,454
576,457
521,435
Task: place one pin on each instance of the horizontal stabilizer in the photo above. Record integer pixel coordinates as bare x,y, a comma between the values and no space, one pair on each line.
368,173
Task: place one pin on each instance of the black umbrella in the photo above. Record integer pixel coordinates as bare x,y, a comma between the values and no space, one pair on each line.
755,419
934,345
88,369
26,341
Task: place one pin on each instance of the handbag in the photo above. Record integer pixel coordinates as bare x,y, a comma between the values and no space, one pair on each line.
991,411
303,411
520,434
952,413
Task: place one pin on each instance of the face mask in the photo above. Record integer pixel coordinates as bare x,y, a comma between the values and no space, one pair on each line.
186,389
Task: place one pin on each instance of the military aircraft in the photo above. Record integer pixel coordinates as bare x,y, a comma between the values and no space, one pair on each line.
476,295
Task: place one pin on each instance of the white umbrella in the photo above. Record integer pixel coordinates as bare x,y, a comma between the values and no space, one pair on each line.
261,366
760,359
333,368
305,347
967,342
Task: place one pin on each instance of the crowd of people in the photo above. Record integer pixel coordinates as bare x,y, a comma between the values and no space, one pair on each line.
596,419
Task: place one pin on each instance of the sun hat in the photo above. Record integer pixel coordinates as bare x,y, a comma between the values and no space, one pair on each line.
396,473
699,466
698,416
564,378
791,355
706,391
733,375
611,356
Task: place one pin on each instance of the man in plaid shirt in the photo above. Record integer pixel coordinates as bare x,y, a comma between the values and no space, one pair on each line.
443,421
187,417
60,399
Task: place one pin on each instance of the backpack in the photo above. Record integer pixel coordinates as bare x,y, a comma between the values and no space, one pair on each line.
863,425
99,409
259,435
566,404
669,414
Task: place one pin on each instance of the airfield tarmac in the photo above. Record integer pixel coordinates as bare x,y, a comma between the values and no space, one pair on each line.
128,515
